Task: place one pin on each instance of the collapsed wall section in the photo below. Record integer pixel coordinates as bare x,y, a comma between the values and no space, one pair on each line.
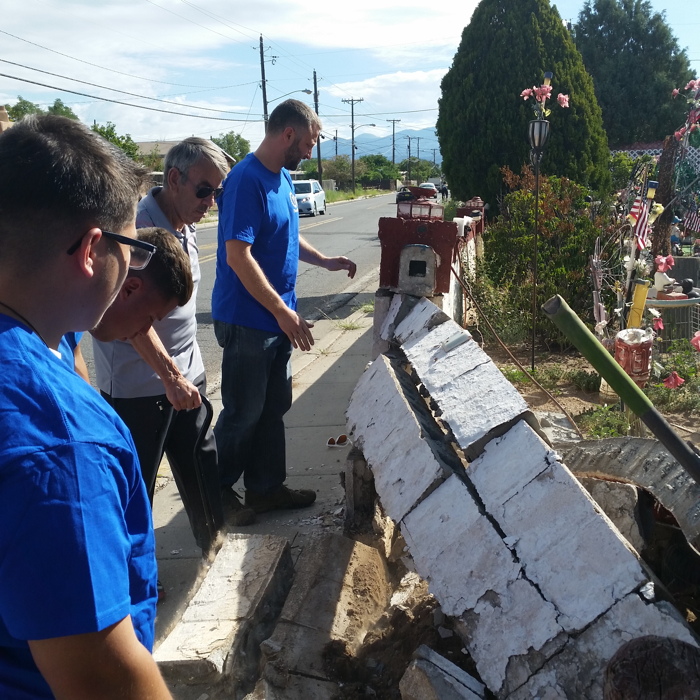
544,587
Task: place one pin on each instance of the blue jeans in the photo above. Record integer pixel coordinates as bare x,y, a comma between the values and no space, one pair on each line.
256,390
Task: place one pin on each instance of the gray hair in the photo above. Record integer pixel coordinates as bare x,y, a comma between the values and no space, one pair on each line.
292,113
188,152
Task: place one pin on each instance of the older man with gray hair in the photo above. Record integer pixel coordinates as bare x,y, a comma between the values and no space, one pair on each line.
155,381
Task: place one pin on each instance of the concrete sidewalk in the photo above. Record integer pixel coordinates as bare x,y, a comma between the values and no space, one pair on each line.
323,380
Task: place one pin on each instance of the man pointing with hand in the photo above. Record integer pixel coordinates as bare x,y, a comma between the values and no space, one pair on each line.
254,309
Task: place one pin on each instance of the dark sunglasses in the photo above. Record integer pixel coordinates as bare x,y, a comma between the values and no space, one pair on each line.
141,252
204,192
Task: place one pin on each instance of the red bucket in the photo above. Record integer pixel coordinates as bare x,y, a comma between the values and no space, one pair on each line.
633,353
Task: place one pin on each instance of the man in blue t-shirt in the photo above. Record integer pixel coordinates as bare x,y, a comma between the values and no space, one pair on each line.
254,308
77,553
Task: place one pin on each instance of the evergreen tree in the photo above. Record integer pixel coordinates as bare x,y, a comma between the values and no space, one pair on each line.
482,123
635,63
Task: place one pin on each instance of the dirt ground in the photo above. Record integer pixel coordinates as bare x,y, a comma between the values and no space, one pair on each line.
573,400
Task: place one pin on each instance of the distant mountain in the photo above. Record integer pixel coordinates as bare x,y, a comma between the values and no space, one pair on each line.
424,144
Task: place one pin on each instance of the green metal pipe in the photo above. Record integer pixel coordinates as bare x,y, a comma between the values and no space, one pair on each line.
559,312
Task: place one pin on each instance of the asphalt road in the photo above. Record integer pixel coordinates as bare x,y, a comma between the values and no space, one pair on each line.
348,228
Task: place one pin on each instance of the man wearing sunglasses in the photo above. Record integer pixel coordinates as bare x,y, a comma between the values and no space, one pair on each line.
154,380
77,551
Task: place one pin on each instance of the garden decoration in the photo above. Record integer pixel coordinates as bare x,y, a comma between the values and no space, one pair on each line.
662,282
588,345
538,134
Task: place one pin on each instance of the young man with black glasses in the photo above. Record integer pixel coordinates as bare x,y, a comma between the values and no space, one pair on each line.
155,381
77,551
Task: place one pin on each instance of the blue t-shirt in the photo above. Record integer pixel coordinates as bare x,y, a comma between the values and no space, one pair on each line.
259,207
67,346
77,551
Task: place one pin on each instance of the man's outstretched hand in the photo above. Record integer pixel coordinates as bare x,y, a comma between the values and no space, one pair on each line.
341,263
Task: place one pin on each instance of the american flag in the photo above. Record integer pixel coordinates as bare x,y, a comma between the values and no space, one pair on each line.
641,230
691,221
636,209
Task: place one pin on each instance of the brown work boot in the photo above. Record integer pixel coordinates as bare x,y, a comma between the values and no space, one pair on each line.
283,498
235,513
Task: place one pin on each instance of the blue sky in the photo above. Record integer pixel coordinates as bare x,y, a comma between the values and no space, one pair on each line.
203,59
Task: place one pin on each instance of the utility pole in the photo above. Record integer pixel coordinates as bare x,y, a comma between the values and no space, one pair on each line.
318,143
264,82
335,138
393,139
418,138
352,101
409,157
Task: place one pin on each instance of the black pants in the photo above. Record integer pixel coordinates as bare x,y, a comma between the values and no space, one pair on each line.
158,428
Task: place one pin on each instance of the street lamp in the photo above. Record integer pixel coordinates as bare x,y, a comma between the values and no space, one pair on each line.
266,102
538,134
353,127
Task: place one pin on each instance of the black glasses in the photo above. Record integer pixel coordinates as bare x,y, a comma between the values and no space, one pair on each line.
141,252
204,192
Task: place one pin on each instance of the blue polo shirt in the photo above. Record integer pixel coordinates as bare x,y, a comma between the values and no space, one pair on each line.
259,207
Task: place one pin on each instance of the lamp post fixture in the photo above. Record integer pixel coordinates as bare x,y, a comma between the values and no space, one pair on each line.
306,91
352,150
538,134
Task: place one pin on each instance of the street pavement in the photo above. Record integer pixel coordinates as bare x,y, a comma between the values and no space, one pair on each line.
323,381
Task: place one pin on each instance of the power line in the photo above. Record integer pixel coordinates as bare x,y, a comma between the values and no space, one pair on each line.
122,92
127,104
95,65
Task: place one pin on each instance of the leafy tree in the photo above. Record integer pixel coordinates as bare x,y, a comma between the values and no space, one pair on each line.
378,168
339,169
310,168
483,122
22,108
420,170
153,160
234,144
62,110
566,238
635,63
125,142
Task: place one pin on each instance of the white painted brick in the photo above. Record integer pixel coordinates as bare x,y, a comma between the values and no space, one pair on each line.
387,330
384,426
456,549
577,672
566,547
434,365
478,402
423,315
511,624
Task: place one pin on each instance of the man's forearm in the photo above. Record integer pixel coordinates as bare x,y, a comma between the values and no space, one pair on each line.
154,354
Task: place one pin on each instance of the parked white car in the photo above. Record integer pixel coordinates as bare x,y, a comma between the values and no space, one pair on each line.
311,199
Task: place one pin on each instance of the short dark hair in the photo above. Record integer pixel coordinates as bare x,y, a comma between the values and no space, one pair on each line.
189,152
292,113
169,269
57,179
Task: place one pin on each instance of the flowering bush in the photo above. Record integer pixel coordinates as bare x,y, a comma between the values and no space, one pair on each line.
691,129
540,96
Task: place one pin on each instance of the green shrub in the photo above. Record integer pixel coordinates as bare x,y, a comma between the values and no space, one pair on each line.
604,422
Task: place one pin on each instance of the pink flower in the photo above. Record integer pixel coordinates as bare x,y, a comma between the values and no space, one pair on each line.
658,324
673,381
563,100
543,92
695,341
675,92
526,93
692,85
